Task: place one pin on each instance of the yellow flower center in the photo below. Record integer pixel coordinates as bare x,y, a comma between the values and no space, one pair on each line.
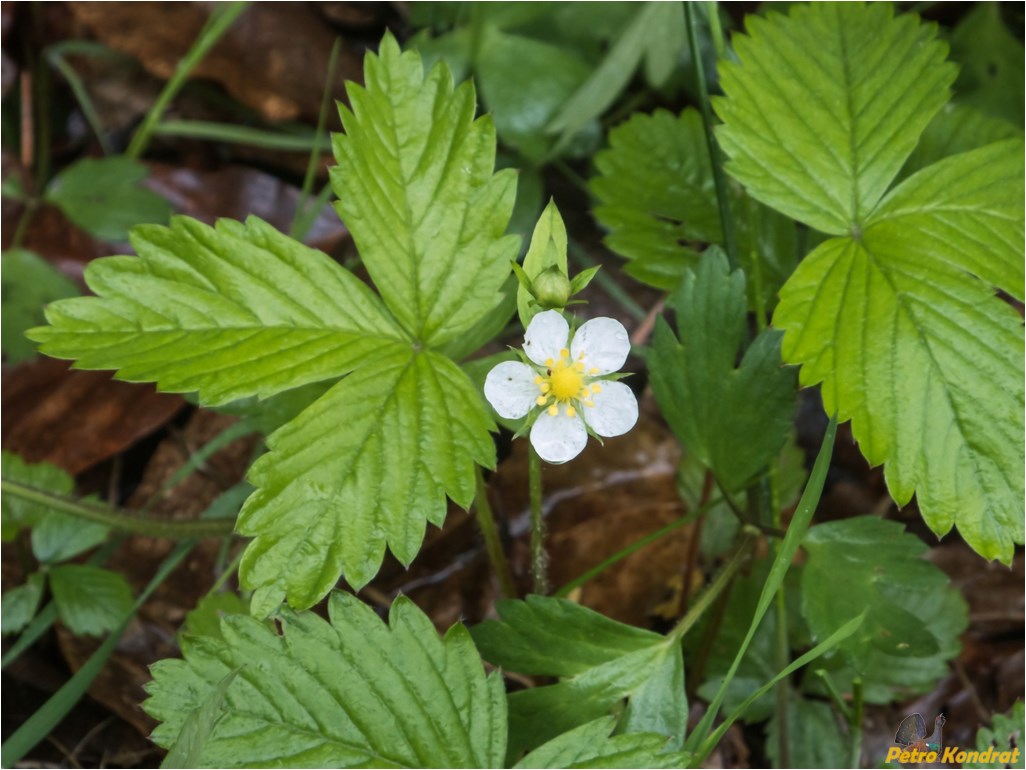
563,383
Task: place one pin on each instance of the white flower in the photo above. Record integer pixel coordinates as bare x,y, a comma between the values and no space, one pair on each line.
568,384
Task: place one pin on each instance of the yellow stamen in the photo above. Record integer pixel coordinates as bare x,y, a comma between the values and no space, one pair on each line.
596,388
553,410
540,401
570,411
589,403
564,353
593,371
539,380
544,387
584,393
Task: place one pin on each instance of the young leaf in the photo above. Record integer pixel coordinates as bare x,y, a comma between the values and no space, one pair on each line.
103,196
29,283
870,564
824,106
329,499
416,190
354,692
232,311
1004,734
600,662
735,420
89,600
19,605
547,250
591,745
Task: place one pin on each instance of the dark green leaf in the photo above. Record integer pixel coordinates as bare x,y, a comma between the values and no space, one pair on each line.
90,600
591,745
205,619
104,197
814,736
991,75
18,512
28,284
1003,736
956,129
188,749
19,605
734,419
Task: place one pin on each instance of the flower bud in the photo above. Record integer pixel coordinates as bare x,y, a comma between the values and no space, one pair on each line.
551,288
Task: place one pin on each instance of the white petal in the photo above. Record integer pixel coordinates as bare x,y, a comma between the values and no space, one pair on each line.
511,389
615,410
604,344
558,438
546,335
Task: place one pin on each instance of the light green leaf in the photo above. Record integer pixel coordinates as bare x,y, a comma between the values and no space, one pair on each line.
197,728
991,74
548,249
268,414
918,353
813,735
18,512
368,464
1004,735
824,106
232,311
658,201
103,196
19,605
871,564
735,420
416,190
28,283
205,618
90,600
600,662
354,692
591,745
956,129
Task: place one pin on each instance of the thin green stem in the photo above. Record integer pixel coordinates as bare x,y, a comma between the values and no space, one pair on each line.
722,200
539,558
637,545
834,694
31,206
855,723
315,152
243,135
59,63
228,571
715,588
120,519
221,19
493,544
715,31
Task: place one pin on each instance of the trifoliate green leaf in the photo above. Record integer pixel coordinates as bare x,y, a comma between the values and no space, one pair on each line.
735,420
991,72
658,201
824,106
103,196
600,662
89,600
354,692
29,282
813,735
1003,736
18,605
917,352
591,745
956,129
868,564
416,190
232,311
368,464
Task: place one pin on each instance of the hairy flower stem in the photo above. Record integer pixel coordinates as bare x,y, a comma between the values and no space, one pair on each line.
120,519
539,559
486,522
